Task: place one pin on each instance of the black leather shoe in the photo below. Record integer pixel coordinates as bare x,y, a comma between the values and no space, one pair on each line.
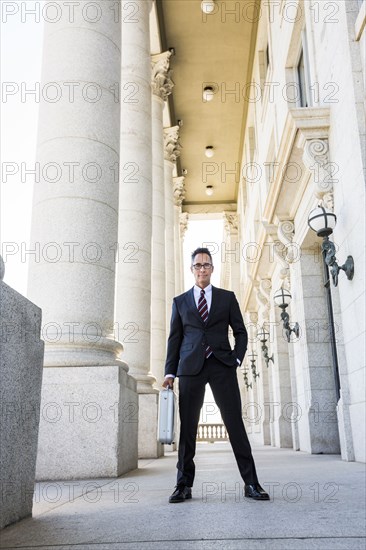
181,494
256,492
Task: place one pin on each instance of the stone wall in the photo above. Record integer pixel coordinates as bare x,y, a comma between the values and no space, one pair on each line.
21,364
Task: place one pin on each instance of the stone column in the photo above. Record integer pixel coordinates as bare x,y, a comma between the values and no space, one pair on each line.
316,157
162,86
253,402
91,428
316,395
171,153
285,252
282,406
133,282
178,197
265,380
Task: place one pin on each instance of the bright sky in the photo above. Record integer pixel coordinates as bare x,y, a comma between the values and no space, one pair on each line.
21,47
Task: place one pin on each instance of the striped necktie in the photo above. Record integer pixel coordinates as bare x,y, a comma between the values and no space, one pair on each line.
203,311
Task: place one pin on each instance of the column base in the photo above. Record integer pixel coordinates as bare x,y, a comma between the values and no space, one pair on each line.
89,423
148,445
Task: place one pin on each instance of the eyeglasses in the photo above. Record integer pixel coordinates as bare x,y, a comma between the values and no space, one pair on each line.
197,267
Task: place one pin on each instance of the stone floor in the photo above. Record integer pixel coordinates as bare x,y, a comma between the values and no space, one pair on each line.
318,501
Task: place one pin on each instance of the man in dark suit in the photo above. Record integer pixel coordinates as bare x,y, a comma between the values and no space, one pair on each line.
199,352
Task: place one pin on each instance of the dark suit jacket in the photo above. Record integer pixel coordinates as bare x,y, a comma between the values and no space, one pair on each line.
189,335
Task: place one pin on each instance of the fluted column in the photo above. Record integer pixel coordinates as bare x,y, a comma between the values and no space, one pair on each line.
162,86
178,194
171,153
74,225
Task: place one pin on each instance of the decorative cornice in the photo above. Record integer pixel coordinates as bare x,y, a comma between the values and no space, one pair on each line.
179,191
161,83
301,124
172,146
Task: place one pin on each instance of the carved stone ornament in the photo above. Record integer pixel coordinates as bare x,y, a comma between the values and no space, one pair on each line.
161,82
316,158
183,219
263,298
231,222
286,232
172,146
179,191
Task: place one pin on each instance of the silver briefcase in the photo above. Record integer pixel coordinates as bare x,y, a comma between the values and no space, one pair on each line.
167,412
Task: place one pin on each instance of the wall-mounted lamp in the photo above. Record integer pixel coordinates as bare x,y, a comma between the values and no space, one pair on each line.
282,298
208,6
323,221
209,190
245,376
252,358
209,151
263,336
208,93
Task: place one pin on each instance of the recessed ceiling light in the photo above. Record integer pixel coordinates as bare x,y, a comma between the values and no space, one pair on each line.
208,93
208,6
209,152
209,190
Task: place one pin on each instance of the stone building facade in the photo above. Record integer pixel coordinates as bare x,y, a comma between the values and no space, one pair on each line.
293,131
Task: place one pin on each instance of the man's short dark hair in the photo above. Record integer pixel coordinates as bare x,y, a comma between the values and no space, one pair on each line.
201,251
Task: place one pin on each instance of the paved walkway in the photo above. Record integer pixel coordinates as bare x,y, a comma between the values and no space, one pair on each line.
318,501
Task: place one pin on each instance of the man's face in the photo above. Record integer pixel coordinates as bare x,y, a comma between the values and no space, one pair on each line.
202,276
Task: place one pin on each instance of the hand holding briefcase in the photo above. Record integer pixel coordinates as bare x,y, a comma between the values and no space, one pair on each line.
167,407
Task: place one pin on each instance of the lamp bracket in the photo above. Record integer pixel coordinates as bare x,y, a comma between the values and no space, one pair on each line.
329,251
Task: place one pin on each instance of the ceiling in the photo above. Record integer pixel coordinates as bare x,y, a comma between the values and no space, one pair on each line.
217,49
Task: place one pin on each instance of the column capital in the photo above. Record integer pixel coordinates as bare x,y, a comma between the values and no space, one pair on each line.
231,222
179,191
172,146
161,82
183,220
316,159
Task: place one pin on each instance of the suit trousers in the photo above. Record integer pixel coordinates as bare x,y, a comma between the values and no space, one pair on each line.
224,384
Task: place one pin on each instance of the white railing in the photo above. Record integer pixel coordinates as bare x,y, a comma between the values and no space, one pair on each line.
212,432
